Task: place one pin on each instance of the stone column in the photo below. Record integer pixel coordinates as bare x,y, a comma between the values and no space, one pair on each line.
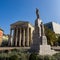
27,42
23,37
20,38
30,37
16,37
10,38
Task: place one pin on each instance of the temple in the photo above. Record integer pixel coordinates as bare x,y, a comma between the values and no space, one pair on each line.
21,34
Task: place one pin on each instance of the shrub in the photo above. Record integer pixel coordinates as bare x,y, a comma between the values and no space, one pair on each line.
14,50
24,56
57,56
33,56
53,58
14,57
47,57
40,57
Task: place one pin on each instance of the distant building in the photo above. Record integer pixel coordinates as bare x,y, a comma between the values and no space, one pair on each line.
55,27
5,37
1,36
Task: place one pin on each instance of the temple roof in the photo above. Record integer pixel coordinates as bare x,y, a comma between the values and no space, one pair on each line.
20,23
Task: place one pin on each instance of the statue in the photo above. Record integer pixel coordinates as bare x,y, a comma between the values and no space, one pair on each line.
37,13
40,45
42,29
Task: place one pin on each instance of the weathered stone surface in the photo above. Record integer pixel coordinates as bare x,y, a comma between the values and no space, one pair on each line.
46,50
44,40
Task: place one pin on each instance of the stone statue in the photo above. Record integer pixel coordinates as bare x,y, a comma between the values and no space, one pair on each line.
37,13
40,45
42,29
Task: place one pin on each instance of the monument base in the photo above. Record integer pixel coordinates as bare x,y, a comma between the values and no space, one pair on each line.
46,50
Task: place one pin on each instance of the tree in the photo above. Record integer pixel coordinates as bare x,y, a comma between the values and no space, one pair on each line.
58,40
4,43
51,36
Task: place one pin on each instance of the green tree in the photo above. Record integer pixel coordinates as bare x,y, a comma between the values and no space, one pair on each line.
58,40
51,36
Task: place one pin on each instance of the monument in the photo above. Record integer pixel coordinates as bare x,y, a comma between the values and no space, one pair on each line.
39,39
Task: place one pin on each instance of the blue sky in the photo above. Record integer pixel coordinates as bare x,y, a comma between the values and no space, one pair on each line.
24,10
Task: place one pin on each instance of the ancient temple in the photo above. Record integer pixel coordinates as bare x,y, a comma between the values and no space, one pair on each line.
21,34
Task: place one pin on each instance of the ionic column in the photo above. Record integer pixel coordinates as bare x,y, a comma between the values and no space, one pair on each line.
20,38
16,37
27,42
23,37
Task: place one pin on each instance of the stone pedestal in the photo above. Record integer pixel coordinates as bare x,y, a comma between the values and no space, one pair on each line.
46,50
44,40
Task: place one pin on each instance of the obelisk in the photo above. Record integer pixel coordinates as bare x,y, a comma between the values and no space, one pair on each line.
39,45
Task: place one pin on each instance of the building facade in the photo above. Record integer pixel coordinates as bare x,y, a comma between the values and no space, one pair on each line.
1,36
21,34
5,37
55,27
